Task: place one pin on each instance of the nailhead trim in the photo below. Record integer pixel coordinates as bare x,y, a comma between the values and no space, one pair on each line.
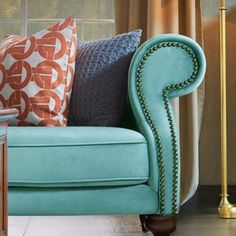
146,111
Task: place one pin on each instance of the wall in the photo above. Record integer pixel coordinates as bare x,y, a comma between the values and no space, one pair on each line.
210,134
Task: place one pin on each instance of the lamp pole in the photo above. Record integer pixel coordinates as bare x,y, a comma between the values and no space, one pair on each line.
226,210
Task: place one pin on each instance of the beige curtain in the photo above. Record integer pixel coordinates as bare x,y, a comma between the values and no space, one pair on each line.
156,17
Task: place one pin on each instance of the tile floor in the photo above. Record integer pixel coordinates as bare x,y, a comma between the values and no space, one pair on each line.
198,217
194,225
74,226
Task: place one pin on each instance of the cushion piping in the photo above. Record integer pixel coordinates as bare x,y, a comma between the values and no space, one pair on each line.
76,182
75,144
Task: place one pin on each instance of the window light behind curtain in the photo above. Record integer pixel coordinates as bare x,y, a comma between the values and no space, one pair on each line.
95,18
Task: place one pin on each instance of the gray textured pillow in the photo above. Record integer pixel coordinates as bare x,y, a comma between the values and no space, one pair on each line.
100,87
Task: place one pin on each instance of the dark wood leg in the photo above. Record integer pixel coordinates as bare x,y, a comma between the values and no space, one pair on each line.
143,223
161,225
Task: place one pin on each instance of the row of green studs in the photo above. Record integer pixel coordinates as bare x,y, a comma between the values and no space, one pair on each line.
153,126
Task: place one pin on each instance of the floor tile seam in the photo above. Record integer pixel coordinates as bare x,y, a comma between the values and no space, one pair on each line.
27,226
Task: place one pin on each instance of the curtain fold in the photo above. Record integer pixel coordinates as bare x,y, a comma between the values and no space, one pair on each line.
156,17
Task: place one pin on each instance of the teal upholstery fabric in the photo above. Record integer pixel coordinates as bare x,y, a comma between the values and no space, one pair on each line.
76,156
47,166
140,199
161,62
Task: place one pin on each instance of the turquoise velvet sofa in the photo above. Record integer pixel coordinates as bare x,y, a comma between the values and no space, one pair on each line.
108,170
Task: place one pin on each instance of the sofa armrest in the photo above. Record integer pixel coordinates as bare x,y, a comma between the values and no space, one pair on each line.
163,68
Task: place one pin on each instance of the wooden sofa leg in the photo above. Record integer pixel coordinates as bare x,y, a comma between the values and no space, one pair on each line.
142,219
161,225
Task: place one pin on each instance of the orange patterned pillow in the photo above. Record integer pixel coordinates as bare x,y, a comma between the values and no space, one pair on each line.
36,74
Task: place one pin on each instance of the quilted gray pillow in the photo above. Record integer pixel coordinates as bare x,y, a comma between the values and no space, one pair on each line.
100,87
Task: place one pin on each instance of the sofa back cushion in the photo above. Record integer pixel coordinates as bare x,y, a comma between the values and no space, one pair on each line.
36,74
100,88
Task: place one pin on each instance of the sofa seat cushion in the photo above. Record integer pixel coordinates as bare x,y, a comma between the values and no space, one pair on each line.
76,156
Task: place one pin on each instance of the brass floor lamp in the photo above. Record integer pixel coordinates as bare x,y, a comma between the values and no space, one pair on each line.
226,209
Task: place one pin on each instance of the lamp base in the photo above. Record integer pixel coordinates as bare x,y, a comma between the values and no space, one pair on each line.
226,210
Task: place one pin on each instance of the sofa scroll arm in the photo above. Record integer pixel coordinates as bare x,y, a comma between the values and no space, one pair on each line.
163,68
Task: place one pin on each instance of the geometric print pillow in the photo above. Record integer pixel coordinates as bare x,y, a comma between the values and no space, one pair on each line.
36,74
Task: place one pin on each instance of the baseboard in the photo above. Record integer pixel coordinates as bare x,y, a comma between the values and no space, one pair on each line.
207,199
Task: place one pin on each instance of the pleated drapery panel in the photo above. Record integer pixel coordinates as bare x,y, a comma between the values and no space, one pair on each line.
156,17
